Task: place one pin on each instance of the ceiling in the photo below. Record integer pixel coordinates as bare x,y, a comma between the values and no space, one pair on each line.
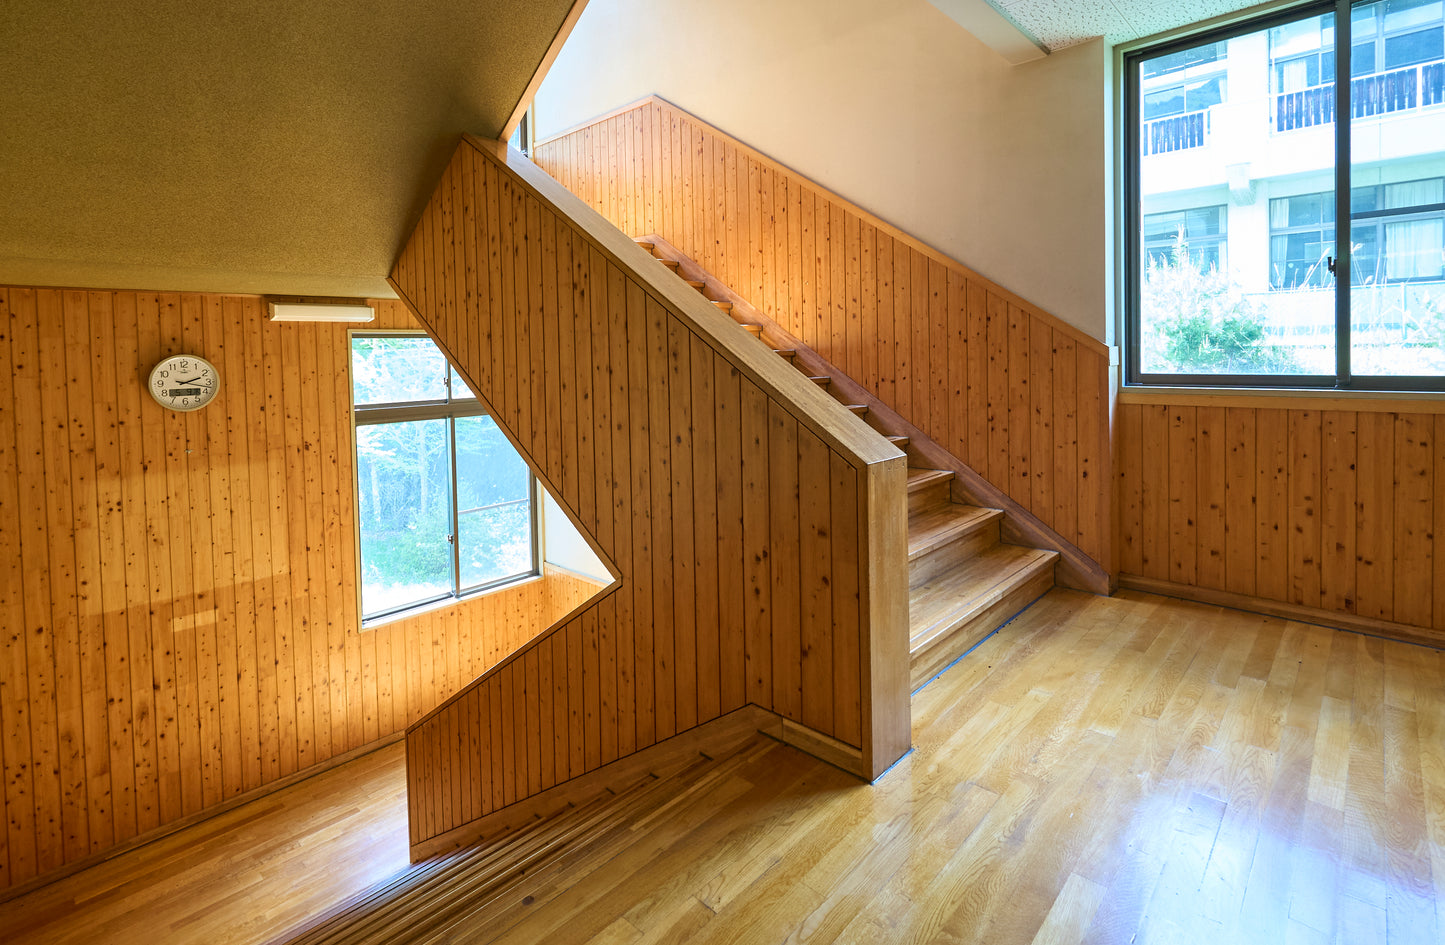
269,146
1056,24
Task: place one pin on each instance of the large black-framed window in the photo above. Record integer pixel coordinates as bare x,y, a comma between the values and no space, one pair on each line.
445,505
1279,297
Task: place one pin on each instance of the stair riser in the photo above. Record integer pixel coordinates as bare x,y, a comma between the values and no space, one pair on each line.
939,652
927,566
929,496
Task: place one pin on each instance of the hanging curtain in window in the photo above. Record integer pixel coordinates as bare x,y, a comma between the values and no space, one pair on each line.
1294,76
1413,249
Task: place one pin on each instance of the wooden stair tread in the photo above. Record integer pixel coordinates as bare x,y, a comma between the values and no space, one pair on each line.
935,527
957,595
857,410
898,441
672,264
920,479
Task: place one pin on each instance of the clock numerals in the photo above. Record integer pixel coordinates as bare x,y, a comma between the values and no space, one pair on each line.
183,383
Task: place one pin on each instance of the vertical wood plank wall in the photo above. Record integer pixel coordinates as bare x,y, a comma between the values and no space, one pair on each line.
178,604
1336,509
1020,396
741,534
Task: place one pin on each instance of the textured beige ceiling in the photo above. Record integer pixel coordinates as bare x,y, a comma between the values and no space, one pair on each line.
259,146
1056,24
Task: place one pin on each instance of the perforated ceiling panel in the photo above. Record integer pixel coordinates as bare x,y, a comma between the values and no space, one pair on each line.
1060,23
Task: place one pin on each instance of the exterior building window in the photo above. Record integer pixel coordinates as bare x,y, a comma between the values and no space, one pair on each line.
445,504
1198,232
1265,299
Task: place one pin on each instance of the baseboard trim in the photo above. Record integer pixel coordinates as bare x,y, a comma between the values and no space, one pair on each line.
1338,620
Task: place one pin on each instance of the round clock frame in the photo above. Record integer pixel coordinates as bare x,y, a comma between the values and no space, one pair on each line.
190,395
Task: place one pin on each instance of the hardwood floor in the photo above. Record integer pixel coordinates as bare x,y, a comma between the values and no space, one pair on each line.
1133,769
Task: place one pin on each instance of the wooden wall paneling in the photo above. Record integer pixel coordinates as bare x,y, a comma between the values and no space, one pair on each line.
642,523
607,470
1439,456
975,450
1272,505
731,586
1304,508
163,623
622,301
815,570
1154,493
788,246
786,599
1413,554
1241,514
86,540
1375,515
867,307
756,439
64,614
112,602
213,433
847,682
1211,481
684,537
1130,500
1181,488
1095,395
1067,487
887,389
19,797
997,407
262,688
144,692
293,402
1019,415
1041,417
660,463
706,548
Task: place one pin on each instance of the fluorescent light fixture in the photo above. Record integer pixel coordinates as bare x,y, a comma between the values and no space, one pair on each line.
298,308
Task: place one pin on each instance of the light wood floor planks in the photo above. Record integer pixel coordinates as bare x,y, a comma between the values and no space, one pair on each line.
1134,769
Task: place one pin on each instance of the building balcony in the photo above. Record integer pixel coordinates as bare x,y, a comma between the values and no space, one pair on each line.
1175,133
1371,95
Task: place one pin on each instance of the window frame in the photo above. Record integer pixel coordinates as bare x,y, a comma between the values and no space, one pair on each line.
1132,242
449,409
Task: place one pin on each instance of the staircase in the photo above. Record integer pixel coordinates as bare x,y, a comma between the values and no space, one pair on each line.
964,582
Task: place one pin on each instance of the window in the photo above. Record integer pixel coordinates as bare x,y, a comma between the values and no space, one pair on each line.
1196,234
445,504
1234,262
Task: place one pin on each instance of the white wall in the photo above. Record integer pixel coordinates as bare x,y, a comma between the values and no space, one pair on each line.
564,546
890,104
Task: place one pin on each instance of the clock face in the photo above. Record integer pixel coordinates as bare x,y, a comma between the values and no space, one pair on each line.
184,382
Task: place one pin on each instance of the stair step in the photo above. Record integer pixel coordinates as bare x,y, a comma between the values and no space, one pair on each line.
786,353
964,604
722,306
755,330
899,441
672,264
858,410
648,245
944,536
699,286
821,381
927,488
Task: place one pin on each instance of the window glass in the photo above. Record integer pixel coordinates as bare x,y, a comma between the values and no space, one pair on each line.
394,369
1235,246
444,500
494,490
404,496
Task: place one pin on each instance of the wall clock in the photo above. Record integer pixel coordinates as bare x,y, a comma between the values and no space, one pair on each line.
184,382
